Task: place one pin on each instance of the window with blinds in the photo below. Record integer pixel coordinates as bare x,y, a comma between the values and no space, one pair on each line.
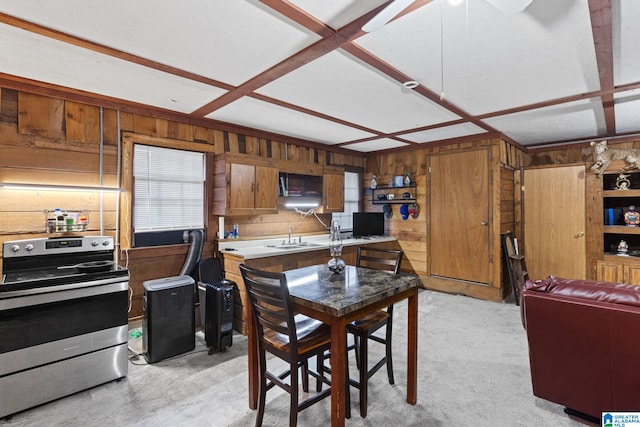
351,201
168,189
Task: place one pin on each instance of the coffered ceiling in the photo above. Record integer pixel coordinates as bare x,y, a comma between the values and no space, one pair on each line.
535,72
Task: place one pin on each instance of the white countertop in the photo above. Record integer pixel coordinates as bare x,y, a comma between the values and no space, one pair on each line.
249,249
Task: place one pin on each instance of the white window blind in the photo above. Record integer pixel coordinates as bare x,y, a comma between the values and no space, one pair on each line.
168,189
351,201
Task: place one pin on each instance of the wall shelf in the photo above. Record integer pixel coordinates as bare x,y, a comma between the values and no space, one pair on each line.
396,192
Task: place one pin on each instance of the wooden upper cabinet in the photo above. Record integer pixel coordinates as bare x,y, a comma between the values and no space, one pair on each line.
244,185
333,190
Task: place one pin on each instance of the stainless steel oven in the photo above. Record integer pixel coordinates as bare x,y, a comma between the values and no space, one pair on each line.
63,319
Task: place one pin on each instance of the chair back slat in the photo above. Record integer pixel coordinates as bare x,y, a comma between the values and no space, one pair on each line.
380,259
270,304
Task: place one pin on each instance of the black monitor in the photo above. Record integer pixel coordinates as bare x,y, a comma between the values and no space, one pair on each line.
368,224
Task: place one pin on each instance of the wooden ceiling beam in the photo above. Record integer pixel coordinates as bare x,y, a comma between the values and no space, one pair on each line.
601,27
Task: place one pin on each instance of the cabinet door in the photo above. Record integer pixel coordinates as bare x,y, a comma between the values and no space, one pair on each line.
333,192
460,216
554,222
266,184
609,272
632,274
242,186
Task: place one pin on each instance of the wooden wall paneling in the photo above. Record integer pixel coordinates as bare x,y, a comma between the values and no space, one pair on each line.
82,122
8,105
507,206
181,131
218,141
252,146
127,122
9,136
234,144
150,126
40,115
594,223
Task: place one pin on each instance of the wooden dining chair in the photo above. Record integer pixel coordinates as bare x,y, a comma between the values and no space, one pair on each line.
292,338
363,329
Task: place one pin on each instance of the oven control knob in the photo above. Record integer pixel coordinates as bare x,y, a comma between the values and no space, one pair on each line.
15,248
94,243
29,247
105,243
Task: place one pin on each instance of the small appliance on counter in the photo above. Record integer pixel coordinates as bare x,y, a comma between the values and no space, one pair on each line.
168,325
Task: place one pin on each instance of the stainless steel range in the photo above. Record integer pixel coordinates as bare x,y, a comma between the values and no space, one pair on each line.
63,319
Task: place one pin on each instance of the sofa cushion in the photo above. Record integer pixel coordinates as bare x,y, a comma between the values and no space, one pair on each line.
615,293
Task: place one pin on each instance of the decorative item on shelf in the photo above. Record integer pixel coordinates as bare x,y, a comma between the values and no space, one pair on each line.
623,248
404,211
603,155
388,212
335,264
399,181
407,180
406,195
374,182
414,211
631,217
391,196
622,181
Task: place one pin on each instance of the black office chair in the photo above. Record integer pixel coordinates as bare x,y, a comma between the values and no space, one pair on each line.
292,338
363,329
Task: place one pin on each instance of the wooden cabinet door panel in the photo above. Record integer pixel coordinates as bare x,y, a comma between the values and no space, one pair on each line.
241,186
609,272
333,192
460,222
554,222
266,181
632,274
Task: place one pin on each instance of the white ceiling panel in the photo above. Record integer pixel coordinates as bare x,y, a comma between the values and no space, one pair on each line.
337,82
445,132
579,119
230,41
627,110
484,60
626,15
262,115
493,60
376,145
43,59
337,13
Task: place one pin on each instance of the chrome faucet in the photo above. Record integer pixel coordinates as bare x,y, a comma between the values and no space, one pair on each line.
289,242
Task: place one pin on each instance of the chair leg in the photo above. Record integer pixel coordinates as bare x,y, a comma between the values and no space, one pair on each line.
364,375
319,370
262,390
388,353
293,406
305,375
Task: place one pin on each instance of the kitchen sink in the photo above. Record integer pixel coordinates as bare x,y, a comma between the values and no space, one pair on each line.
296,245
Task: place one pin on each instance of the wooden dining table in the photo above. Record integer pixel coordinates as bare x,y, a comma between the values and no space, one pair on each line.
337,299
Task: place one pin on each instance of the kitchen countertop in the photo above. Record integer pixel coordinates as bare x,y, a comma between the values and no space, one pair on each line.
262,248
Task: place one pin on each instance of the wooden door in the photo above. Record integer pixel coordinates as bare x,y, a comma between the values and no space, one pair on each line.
241,186
266,180
554,222
460,220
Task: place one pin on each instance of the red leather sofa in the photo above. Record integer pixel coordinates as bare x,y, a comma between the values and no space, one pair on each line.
584,343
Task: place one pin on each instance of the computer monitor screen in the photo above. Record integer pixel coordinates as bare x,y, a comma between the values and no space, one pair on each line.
368,224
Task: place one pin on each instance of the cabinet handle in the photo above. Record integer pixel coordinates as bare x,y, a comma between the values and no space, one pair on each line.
253,187
484,223
580,234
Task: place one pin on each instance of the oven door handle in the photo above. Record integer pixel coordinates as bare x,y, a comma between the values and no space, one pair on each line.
28,297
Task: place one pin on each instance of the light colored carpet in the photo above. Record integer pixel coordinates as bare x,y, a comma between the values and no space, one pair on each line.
473,371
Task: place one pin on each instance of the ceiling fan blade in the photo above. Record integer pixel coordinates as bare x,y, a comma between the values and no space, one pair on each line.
386,15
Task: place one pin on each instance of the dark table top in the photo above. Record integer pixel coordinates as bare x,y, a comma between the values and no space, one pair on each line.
339,294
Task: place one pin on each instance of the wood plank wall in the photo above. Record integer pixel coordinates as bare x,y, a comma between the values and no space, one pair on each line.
412,233
53,141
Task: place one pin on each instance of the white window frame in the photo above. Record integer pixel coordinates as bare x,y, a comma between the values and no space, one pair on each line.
351,201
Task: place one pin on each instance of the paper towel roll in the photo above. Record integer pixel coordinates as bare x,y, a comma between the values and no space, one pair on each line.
221,227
